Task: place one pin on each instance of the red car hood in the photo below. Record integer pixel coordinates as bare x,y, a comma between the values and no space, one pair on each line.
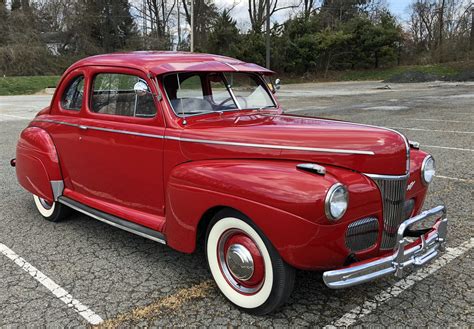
357,147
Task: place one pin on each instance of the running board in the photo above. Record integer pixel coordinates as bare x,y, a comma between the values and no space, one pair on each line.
114,221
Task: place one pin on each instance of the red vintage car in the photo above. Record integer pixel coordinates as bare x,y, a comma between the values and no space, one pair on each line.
188,149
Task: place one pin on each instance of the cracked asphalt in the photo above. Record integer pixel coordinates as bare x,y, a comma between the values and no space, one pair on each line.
128,280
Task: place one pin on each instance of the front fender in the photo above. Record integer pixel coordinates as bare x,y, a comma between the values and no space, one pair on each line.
287,204
37,162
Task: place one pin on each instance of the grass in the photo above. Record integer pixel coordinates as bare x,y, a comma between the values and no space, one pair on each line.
381,74
26,85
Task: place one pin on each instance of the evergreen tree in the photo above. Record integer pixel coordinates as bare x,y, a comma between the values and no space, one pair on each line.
3,22
224,37
103,26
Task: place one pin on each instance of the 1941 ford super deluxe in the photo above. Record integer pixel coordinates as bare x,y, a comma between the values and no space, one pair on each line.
194,149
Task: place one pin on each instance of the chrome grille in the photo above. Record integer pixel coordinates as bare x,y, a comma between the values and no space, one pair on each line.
393,191
362,234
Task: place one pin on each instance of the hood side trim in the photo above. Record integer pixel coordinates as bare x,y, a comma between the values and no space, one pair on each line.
214,142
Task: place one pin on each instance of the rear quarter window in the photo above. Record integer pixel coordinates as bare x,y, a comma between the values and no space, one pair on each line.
73,94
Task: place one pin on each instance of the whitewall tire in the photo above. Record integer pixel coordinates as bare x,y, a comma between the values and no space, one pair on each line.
245,266
52,211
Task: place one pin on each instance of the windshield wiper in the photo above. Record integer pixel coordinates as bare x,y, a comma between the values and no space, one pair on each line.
266,107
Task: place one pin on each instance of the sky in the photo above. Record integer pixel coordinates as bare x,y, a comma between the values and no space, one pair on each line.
240,13
399,7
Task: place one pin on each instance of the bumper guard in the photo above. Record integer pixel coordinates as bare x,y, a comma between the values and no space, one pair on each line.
428,247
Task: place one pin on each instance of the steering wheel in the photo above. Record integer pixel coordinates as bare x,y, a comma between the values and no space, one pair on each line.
239,98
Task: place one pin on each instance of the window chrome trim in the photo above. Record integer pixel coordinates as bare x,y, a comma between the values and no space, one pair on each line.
214,142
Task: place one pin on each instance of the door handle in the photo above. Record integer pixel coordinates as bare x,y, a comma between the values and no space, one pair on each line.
82,127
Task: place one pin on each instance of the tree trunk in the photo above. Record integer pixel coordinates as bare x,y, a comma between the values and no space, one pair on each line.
472,28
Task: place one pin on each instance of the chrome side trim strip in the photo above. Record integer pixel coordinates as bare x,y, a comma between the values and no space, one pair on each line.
84,127
57,122
208,141
122,224
269,146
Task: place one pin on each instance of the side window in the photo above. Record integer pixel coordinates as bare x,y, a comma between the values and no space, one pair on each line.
113,93
72,96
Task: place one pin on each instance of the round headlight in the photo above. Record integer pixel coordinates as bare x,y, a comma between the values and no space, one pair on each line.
336,202
428,170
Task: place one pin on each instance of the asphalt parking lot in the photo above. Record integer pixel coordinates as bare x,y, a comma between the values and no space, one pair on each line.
127,280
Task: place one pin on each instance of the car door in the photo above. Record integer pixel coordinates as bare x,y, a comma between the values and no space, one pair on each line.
120,167
66,112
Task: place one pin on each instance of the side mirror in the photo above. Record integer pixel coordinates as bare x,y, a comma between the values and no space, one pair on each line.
277,84
140,88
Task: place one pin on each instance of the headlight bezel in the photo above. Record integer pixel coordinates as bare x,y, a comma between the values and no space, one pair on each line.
423,169
327,202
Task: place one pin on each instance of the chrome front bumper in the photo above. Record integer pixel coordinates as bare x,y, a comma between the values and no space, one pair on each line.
428,247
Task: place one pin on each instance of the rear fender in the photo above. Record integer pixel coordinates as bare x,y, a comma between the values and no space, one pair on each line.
37,164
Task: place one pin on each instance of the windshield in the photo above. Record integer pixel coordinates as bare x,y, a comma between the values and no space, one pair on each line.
192,93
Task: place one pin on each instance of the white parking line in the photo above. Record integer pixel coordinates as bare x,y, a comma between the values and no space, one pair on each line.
439,120
55,289
15,116
446,148
442,131
456,179
354,315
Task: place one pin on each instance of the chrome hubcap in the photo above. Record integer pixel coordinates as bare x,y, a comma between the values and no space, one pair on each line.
239,261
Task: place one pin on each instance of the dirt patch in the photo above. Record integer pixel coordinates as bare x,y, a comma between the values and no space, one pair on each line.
164,305
413,76
464,76
416,76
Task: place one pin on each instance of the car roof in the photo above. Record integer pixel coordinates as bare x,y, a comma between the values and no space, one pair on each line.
162,62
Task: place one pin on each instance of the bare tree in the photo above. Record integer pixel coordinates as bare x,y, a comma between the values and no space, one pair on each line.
205,14
439,25
156,15
258,11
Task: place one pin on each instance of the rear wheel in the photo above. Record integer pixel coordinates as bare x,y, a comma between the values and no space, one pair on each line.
246,267
51,211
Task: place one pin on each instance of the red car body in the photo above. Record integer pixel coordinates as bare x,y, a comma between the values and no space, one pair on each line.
172,174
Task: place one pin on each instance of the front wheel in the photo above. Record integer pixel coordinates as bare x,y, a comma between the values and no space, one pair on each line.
246,267
51,211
